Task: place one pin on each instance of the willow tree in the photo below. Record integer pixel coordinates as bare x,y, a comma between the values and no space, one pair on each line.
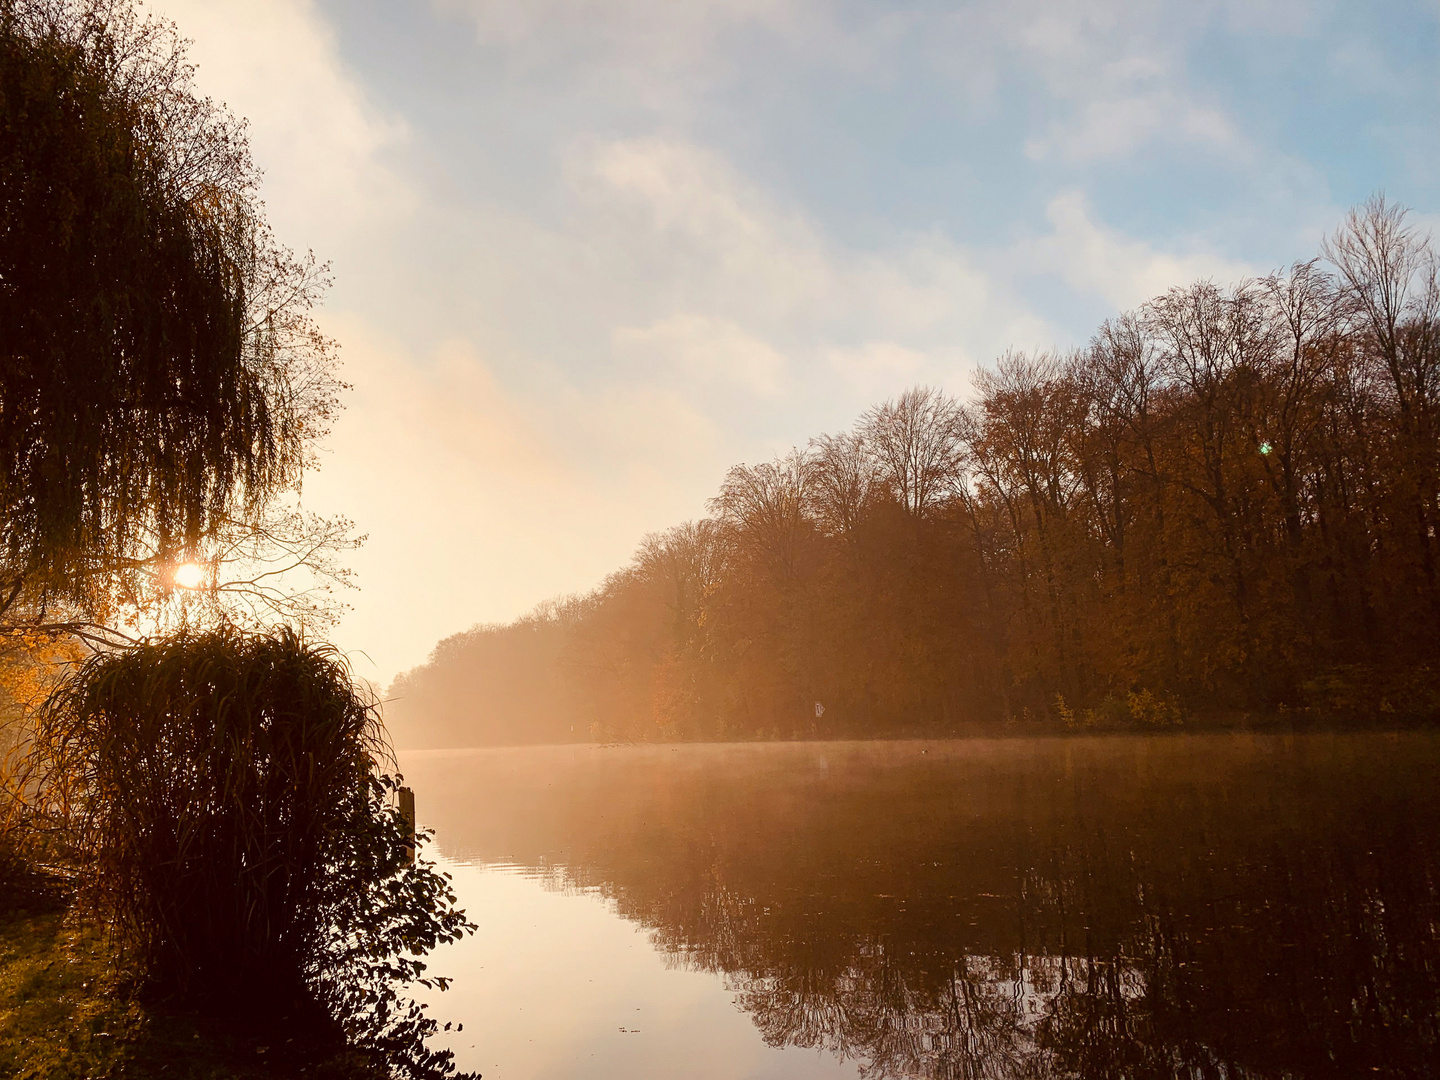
161,378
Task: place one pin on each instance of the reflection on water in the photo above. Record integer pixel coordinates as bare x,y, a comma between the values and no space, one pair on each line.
1206,906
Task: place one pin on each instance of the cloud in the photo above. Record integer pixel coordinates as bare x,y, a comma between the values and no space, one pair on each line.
1120,126
1116,75
1123,271
457,402
877,367
654,54
564,348
313,129
707,351
479,499
1109,77
616,24
720,249
720,236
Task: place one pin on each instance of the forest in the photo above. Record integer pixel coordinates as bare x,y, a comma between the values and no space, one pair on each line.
1222,509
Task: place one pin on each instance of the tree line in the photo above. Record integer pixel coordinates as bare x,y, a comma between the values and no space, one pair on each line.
1224,505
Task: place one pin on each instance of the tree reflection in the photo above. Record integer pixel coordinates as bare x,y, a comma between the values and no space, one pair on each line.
1197,907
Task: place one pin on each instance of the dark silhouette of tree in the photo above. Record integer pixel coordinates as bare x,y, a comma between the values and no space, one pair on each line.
237,835
161,381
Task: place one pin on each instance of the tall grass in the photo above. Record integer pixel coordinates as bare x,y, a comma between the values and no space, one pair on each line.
228,794
205,776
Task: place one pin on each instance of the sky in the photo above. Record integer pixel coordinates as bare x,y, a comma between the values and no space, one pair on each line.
588,254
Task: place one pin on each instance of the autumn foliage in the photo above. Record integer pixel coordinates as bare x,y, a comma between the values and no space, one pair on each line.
1224,505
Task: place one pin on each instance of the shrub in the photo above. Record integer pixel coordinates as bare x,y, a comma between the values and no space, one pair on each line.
227,795
1153,710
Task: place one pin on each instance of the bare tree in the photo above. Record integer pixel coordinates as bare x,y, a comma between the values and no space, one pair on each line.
1391,276
688,561
762,507
1028,412
844,477
916,439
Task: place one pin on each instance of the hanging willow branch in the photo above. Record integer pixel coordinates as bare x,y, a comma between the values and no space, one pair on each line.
160,375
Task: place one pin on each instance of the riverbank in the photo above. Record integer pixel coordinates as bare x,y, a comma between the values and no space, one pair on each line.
69,1010
1082,725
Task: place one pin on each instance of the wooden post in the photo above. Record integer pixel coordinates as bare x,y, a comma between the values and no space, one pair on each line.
407,811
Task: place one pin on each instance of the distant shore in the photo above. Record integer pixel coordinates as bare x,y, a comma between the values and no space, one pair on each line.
1216,723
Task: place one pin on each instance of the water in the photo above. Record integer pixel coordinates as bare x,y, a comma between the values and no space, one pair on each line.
1198,906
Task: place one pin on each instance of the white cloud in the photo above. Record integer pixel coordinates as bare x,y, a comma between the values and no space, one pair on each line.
1116,74
877,368
610,24
456,401
1118,127
1107,79
721,237
1123,271
313,130
718,247
707,351
655,54
1113,76
480,500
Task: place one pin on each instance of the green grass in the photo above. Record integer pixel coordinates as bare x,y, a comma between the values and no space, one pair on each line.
69,1011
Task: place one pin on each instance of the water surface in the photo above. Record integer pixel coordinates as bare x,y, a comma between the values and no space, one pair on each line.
1199,906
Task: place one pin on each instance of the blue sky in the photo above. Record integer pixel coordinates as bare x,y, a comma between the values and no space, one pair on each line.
588,254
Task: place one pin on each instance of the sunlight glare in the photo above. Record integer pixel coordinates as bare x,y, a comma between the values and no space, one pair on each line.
189,576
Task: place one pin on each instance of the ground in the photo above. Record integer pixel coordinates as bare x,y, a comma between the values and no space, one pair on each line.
68,1010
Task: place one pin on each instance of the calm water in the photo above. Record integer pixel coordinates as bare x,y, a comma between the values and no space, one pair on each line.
1198,906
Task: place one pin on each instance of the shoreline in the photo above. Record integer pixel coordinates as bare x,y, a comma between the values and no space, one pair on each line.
1249,724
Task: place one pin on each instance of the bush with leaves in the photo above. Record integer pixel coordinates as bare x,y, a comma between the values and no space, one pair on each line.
382,913
227,793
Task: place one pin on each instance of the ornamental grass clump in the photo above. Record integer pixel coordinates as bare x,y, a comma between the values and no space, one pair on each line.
227,796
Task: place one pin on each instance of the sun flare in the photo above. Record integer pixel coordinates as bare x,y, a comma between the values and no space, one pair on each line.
189,576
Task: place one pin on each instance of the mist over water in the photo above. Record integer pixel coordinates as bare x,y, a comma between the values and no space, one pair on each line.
1207,905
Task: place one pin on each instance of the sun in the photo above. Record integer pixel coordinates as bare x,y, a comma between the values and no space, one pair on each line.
190,575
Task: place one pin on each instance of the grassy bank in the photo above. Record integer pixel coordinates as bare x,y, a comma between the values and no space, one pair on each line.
68,1009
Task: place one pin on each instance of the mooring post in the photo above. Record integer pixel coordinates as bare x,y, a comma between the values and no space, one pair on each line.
407,811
